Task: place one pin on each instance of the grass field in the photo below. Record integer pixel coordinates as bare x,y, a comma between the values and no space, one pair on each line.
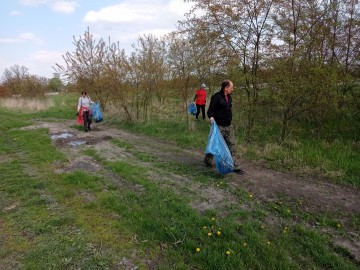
125,217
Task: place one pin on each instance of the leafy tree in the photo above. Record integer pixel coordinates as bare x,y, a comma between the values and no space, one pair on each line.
150,63
241,32
13,79
17,81
85,66
55,83
115,78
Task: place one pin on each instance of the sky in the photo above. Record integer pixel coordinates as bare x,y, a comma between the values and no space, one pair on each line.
36,33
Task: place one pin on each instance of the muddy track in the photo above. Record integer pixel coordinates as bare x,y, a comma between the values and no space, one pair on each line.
314,195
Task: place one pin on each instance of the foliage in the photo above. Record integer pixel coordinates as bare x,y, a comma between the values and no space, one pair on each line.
18,82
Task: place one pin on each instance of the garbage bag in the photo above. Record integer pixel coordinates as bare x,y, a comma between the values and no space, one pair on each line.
96,112
192,108
219,149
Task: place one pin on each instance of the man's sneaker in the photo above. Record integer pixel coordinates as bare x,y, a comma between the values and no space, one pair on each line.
239,171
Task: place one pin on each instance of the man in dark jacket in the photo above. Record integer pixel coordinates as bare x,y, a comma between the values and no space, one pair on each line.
220,111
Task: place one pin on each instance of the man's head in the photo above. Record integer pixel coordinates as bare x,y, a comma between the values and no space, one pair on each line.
227,86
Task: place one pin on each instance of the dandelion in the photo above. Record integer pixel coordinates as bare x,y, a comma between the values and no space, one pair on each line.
262,227
209,234
220,183
204,227
338,225
213,219
289,211
245,244
250,195
218,233
198,250
268,242
228,252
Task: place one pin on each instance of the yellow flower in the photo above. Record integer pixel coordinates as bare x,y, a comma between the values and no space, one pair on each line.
218,233
245,244
228,252
262,226
198,250
212,218
250,195
204,227
338,225
209,234
268,242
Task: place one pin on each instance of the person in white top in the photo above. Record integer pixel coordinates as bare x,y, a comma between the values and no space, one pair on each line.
84,115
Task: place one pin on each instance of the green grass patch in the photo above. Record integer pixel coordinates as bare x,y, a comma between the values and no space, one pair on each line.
121,217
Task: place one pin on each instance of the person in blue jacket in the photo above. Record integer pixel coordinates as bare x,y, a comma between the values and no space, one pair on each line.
220,111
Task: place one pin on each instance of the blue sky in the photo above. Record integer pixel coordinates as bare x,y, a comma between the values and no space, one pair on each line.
36,33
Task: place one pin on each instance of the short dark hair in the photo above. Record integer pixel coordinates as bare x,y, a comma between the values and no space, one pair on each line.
83,93
225,84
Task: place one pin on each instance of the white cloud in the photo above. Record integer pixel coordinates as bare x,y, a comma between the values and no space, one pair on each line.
126,21
64,7
24,37
125,12
15,13
179,7
34,2
59,6
46,56
42,62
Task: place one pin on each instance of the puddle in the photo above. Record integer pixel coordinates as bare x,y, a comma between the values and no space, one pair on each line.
61,136
76,143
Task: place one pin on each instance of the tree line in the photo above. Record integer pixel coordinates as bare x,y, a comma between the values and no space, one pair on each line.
292,61
17,81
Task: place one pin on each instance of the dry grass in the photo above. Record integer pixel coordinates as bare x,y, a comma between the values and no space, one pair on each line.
30,104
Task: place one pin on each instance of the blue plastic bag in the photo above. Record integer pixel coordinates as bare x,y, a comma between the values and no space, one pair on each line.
218,147
192,108
96,112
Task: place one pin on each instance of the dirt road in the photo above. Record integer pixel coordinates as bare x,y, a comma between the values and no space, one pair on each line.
313,195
